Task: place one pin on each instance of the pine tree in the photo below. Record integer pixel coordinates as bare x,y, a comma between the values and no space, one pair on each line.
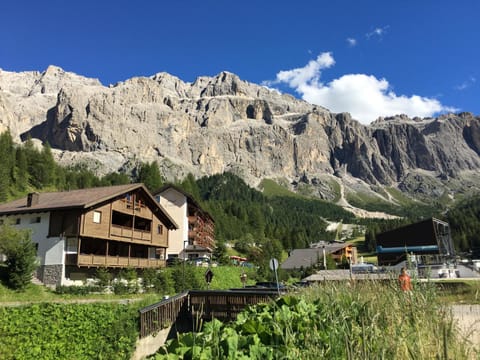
21,174
149,175
8,162
48,165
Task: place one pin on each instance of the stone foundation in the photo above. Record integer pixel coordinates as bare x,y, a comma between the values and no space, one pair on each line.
50,275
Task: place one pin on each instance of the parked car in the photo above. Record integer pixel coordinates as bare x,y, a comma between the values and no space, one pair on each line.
364,268
173,261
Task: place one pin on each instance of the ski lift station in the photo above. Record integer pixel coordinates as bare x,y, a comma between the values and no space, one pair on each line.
425,247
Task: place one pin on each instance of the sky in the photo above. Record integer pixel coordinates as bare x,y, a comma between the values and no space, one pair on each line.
367,57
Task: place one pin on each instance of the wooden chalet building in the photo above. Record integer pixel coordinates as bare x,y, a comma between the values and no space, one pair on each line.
80,230
196,234
305,258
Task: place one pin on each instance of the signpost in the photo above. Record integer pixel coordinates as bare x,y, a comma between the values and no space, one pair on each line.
273,263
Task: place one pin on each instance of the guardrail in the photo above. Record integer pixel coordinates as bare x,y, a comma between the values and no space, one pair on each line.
224,305
161,315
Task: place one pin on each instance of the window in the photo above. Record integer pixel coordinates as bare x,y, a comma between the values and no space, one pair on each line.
1,221
97,217
160,229
35,220
18,221
71,245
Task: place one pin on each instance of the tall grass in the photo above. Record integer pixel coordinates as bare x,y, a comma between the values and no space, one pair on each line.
374,320
363,320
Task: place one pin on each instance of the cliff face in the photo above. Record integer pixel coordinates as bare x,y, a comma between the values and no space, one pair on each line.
222,124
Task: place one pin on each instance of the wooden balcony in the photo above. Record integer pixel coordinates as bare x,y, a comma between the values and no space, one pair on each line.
129,233
128,206
118,261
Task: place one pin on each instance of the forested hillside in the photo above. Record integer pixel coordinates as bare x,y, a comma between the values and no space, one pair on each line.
464,220
25,168
242,212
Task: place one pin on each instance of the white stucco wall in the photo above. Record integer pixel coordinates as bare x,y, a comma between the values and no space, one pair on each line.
50,250
175,203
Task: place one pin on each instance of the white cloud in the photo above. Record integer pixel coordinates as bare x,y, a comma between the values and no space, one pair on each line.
351,42
466,84
310,73
364,96
377,32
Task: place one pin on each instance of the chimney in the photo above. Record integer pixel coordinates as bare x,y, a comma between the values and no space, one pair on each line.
32,199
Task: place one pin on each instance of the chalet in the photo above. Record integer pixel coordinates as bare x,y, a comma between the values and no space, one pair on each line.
80,230
196,234
305,258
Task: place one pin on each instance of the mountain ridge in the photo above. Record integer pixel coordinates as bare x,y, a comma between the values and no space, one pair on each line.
222,123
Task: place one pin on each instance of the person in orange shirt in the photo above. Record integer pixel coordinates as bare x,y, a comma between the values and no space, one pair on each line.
405,281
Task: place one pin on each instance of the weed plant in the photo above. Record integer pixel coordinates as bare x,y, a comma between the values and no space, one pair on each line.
364,320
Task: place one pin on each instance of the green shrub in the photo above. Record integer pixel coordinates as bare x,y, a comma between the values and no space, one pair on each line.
78,290
103,276
187,277
164,282
20,252
68,331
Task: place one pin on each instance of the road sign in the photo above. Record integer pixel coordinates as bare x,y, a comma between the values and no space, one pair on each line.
273,263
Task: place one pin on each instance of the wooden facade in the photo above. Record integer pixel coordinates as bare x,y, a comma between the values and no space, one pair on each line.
123,232
201,228
117,226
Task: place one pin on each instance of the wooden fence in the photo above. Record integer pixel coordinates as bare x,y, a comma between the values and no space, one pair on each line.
161,315
199,305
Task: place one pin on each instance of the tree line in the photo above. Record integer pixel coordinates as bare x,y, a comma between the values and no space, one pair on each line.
25,167
256,224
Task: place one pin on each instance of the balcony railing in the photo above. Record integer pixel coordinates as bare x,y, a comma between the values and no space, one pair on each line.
118,261
128,232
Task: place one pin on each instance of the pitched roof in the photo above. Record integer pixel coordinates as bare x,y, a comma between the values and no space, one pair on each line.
307,257
80,199
189,197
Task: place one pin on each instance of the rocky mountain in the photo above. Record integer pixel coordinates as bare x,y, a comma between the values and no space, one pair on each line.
222,123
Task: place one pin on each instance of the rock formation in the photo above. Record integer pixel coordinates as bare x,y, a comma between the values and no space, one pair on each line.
222,123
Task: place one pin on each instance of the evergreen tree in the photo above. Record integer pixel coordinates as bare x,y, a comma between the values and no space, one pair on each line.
48,166
189,185
149,175
115,178
8,163
35,167
21,174
20,251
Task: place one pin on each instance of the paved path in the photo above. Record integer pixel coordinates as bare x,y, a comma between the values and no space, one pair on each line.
468,320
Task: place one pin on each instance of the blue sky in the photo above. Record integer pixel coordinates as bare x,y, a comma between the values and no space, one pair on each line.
370,58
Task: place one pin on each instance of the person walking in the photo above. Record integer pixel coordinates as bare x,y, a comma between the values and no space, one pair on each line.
405,280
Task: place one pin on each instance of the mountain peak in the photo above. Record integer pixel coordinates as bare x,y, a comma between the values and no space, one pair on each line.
222,123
